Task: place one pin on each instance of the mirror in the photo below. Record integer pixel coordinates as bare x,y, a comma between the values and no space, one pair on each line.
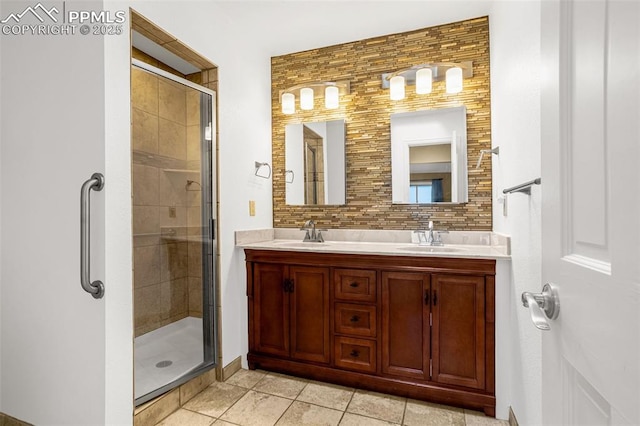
429,156
315,163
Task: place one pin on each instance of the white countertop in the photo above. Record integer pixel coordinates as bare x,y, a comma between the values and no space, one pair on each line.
488,246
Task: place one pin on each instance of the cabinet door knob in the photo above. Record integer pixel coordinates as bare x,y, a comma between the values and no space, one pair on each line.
426,297
354,284
355,318
435,298
288,285
354,353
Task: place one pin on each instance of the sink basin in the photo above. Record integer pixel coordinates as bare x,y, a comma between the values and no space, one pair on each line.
431,249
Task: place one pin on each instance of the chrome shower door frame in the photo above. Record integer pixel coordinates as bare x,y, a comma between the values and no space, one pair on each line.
209,222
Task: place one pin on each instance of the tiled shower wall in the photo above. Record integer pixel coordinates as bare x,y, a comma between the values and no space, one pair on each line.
367,113
166,208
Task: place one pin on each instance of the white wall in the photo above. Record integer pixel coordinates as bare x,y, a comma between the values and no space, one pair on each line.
515,128
118,249
53,335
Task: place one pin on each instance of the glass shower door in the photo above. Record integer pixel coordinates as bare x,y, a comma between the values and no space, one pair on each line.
173,239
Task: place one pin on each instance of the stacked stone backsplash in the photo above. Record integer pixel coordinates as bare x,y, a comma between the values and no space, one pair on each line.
367,110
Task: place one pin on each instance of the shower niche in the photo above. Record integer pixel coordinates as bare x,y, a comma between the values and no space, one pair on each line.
174,246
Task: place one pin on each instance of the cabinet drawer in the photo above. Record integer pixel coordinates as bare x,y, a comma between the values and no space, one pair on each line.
355,354
357,320
355,284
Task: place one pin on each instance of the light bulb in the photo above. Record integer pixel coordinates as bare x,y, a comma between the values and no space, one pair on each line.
454,80
396,86
306,98
288,103
424,81
331,97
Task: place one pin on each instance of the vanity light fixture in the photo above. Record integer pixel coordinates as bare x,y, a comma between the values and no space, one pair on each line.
396,88
306,98
307,93
288,101
423,76
424,81
454,80
331,97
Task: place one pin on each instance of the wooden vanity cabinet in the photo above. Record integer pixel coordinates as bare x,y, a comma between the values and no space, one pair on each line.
291,311
458,330
433,327
406,338
421,327
355,310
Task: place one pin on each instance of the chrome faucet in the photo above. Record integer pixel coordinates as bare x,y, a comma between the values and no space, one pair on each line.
312,235
430,236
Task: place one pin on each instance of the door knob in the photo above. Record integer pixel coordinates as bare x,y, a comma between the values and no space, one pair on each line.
542,306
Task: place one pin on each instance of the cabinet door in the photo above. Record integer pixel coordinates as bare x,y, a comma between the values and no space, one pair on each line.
271,310
405,324
310,313
458,330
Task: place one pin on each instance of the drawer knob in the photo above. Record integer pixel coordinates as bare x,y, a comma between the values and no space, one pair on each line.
354,284
355,318
354,353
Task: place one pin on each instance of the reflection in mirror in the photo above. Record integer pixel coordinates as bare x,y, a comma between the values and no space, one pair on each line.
315,163
429,156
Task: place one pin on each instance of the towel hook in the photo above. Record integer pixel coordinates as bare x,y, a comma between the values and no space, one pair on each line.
495,151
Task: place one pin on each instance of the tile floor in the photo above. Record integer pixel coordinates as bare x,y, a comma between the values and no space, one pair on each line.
259,398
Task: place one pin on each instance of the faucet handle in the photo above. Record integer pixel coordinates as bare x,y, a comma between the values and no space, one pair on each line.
437,240
307,237
422,236
309,223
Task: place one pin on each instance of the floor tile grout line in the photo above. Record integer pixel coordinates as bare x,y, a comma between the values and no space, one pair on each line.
371,417
404,412
285,411
246,391
195,412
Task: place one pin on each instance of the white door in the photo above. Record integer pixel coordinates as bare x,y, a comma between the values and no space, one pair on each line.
591,211
57,366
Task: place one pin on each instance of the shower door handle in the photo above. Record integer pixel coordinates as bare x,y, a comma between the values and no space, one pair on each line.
96,288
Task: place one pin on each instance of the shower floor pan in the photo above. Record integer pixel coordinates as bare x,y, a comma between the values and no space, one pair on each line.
166,354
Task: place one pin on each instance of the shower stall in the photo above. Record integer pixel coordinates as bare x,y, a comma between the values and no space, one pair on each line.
174,241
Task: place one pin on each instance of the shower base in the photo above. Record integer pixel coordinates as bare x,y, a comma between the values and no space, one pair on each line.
166,354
